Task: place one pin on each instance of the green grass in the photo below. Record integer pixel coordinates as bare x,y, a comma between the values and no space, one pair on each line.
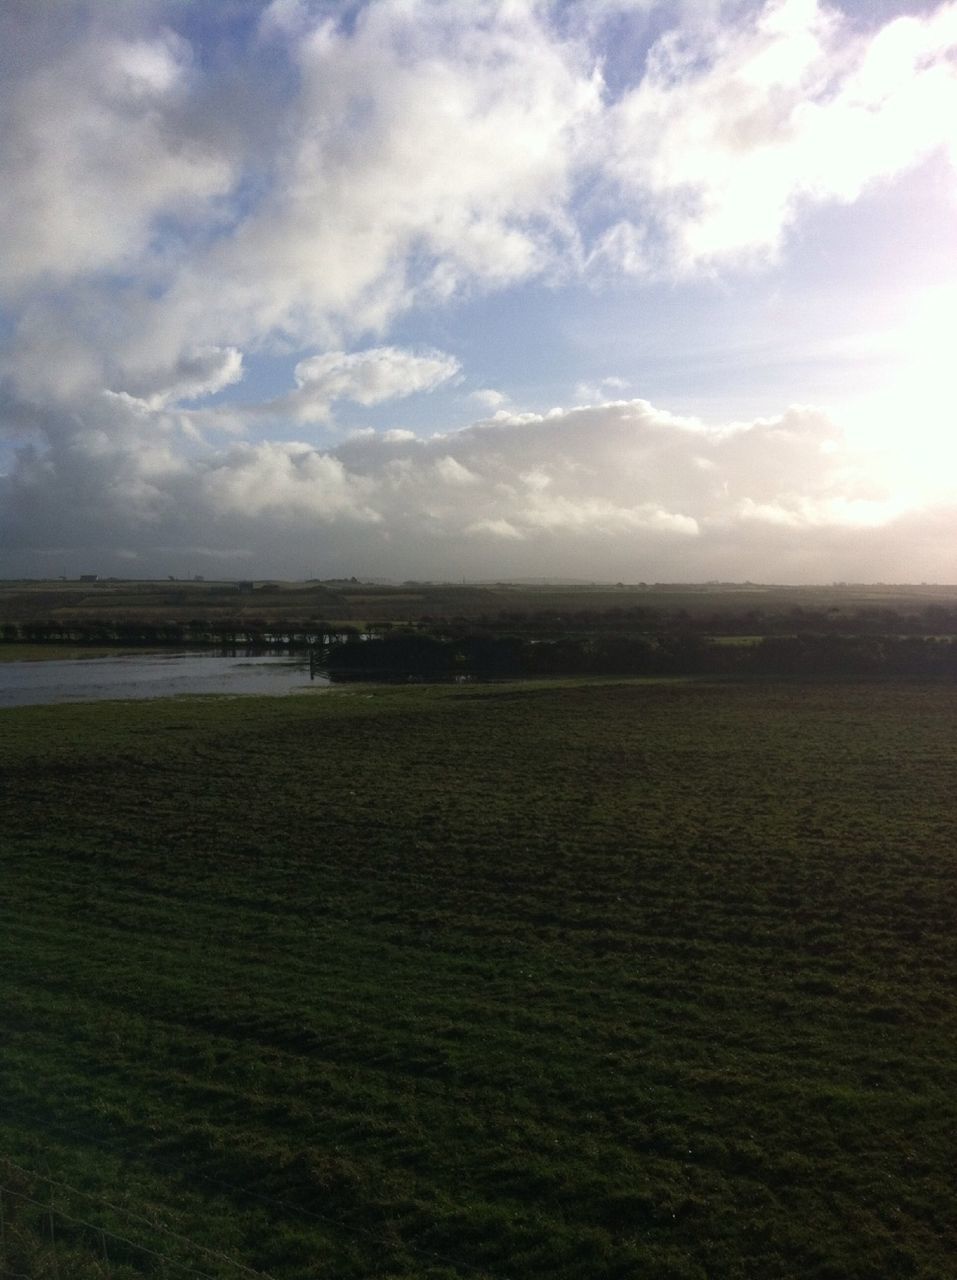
568,980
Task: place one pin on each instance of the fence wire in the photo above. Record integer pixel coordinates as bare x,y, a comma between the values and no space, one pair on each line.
51,1209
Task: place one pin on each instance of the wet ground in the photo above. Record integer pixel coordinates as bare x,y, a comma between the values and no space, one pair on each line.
151,675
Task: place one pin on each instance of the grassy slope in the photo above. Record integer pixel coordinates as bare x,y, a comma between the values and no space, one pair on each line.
586,981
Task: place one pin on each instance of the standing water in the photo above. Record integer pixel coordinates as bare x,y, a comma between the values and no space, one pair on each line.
150,675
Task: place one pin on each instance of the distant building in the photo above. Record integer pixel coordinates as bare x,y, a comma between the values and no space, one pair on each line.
89,577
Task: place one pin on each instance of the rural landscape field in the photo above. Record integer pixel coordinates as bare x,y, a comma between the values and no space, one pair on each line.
570,978
478,640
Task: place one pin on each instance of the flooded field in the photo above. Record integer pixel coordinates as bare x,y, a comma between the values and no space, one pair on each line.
150,675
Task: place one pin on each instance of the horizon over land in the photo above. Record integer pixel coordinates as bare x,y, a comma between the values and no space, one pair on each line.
350,580
637,606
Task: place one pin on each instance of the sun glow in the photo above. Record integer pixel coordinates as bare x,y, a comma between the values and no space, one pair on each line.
909,420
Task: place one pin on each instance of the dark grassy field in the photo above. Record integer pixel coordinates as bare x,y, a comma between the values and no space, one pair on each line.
581,980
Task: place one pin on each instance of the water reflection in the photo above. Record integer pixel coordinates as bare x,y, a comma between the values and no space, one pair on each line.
151,675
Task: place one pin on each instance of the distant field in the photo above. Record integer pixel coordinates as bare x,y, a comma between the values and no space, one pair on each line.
156,601
566,980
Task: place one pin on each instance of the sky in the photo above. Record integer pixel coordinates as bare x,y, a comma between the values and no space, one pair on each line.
613,290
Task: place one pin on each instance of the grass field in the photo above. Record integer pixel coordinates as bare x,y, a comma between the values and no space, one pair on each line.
571,980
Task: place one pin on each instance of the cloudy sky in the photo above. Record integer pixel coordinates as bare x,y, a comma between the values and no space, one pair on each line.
608,289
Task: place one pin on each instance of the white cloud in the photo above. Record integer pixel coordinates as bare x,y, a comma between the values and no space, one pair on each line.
495,528
167,217
420,151
284,18
618,490
369,377
195,374
430,146
365,377
290,481
596,392
95,146
489,397
453,473
731,130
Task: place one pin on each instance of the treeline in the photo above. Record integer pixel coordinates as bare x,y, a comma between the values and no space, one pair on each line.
265,629
641,642
228,633
416,654
874,620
